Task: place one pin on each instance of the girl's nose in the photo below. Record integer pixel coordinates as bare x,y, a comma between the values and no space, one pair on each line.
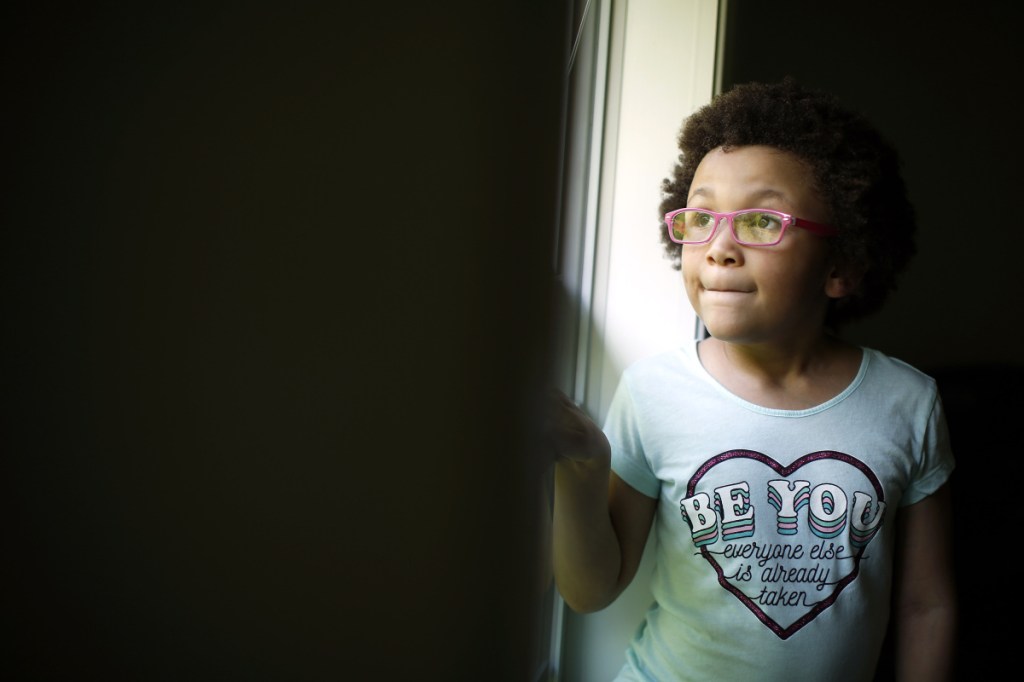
723,248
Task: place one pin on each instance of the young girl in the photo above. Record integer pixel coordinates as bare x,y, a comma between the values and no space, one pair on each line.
797,484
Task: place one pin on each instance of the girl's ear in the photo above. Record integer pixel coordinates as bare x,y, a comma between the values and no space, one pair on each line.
842,281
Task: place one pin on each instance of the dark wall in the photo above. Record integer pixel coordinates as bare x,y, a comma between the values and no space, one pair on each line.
274,302
940,79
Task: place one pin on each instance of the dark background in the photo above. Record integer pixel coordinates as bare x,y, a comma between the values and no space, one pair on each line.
942,81
274,312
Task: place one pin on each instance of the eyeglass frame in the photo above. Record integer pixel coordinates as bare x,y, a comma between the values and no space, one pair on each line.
787,220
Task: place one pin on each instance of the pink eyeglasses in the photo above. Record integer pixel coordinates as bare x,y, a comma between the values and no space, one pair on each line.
750,226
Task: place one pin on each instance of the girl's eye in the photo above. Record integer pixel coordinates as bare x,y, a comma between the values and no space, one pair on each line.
757,227
760,221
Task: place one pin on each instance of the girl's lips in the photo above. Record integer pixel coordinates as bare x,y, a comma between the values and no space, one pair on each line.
727,290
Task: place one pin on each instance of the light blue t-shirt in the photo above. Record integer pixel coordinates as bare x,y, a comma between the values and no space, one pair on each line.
774,528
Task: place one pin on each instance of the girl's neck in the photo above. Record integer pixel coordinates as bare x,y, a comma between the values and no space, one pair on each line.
786,378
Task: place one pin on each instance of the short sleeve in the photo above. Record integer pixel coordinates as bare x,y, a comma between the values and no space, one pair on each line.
623,431
935,461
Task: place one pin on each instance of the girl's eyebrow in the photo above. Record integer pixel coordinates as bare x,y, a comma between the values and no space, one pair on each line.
758,195
768,193
701,191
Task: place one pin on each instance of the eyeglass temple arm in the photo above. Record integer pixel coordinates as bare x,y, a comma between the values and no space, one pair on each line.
814,227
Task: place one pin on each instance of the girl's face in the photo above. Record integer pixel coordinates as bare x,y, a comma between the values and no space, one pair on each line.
760,294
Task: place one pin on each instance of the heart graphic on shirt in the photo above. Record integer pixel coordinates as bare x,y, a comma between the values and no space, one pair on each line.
789,580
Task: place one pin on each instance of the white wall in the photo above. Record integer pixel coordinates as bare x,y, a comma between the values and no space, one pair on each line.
661,68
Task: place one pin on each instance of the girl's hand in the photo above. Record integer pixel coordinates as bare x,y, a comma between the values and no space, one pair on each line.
573,435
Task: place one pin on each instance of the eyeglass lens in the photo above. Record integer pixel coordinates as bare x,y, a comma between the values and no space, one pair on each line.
751,227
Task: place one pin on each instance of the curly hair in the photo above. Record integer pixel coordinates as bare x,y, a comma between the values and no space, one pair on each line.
856,171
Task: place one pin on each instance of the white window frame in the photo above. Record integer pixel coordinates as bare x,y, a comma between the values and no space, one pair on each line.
642,67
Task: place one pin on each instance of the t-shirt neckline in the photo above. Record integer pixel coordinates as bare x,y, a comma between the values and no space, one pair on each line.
694,357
